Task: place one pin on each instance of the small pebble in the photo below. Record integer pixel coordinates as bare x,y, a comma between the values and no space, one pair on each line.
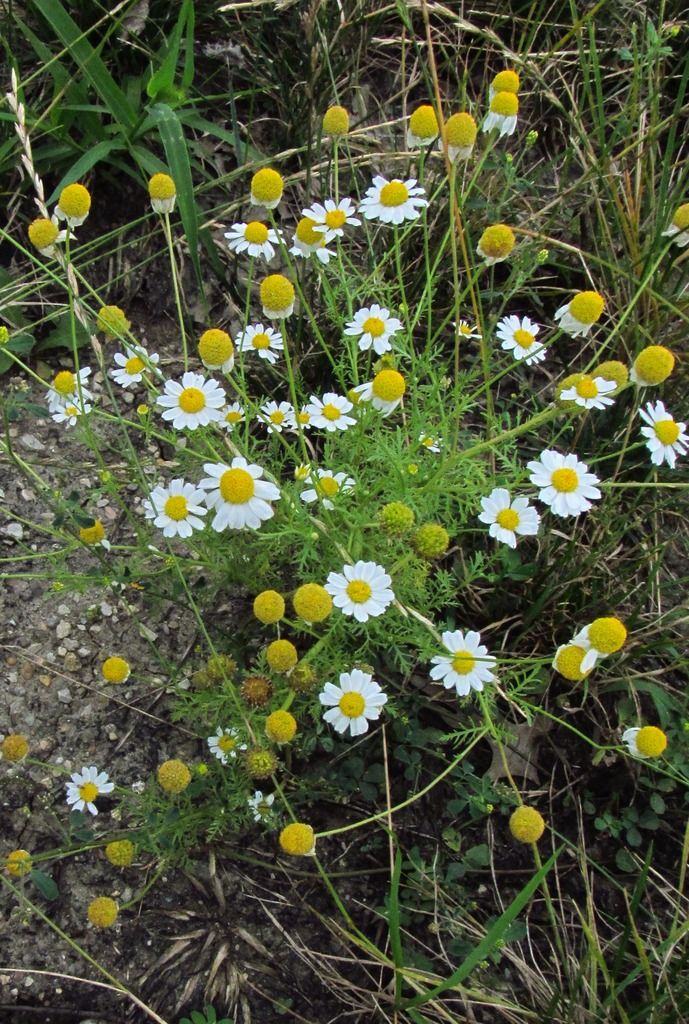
64,695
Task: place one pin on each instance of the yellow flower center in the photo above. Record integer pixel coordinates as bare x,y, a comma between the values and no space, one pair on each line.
233,417
651,741
134,365
161,186
328,486
654,364
42,232
587,307
88,792
504,103
267,185
497,241
176,507
307,234
92,534
312,602
508,519
71,410
681,217
463,662
569,661
423,122
64,383
428,442
227,743
303,417
215,347
335,218
192,400
331,412
281,726
237,486
297,839
18,863
524,339
352,704
565,480
667,431
389,385
256,233
527,825
336,121
260,341
277,293
586,387
277,417
358,591
115,670
75,201
506,81
374,326
394,193
461,130
607,635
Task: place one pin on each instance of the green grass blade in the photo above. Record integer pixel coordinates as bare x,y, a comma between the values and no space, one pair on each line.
177,156
93,156
164,77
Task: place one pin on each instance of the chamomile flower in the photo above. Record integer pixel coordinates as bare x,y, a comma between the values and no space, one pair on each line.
460,132
255,239
85,787
666,439
162,192
216,350
508,518
653,365
238,495
384,392
68,388
69,414
133,365
177,509
266,188
468,665
600,638
362,590
276,416
590,392
679,228
325,486
565,483
644,742
231,416
374,327
392,202
263,341
277,297
357,701
303,419
518,336
330,412
44,234
430,443
504,81
195,402
422,129
496,244
260,805
465,330
73,205
579,315
502,114
224,744
335,121
319,249
329,218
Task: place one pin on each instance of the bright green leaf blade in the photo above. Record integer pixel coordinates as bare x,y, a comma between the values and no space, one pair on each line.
45,885
164,77
177,156
92,157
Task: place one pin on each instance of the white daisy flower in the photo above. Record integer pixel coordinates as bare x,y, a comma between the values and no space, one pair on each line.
590,392
330,217
68,388
326,485
224,744
50,249
361,590
69,414
303,420
85,787
508,518
176,509
679,228
231,416
646,741
666,439
132,366
330,412
580,314
374,327
430,443
255,239
238,495
357,701
276,417
599,639
193,403
319,250
393,202
422,127
260,805
518,336
504,108
469,665
384,392
565,483
264,341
